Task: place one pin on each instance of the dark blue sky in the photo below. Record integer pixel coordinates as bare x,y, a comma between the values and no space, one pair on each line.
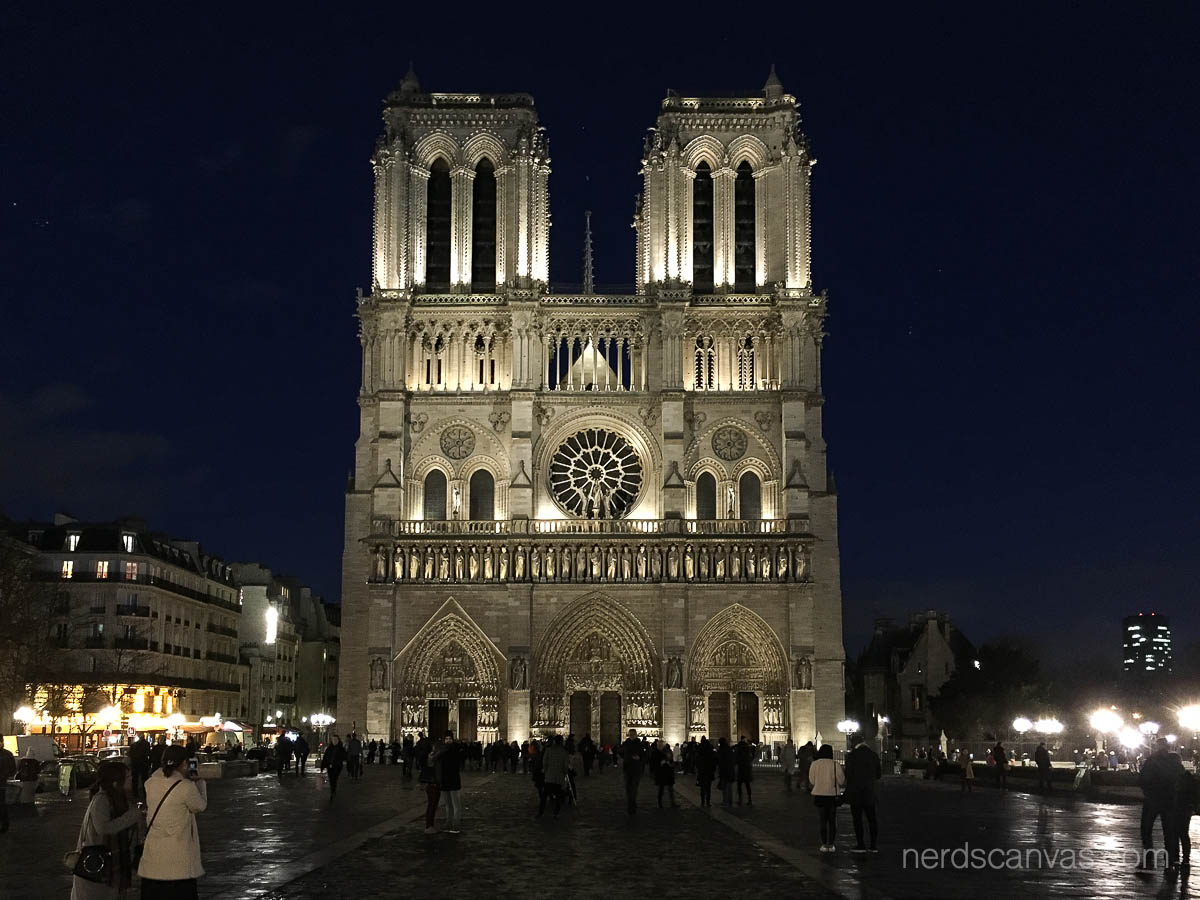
1006,217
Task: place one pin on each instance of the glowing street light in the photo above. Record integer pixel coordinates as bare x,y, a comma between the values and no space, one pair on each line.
24,715
1171,738
1048,726
1106,721
1131,739
1148,728
1021,725
847,726
1189,718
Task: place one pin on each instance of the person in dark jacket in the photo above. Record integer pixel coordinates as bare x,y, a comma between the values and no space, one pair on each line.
555,761
1187,804
804,760
139,765
1041,756
8,769
743,755
1000,755
333,761
1159,780
862,772
726,771
302,752
705,758
632,756
283,755
448,766
587,750
664,774
156,753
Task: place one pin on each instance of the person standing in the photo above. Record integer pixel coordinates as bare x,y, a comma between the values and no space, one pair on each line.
354,756
139,765
863,771
1041,756
407,754
171,855
726,771
428,778
804,759
587,750
743,755
156,754
396,752
828,780
1159,780
449,774
555,765
967,770
631,760
1187,803
8,769
111,820
705,760
1000,755
787,763
332,762
664,775
302,751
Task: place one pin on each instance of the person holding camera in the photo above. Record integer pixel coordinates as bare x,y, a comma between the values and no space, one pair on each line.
171,858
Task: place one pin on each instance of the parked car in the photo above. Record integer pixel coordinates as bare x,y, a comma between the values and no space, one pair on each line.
120,753
84,770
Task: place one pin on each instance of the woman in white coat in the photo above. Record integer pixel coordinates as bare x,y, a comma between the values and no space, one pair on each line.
111,820
171,858
828,781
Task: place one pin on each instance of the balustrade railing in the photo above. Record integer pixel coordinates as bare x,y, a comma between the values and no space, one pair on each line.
601,527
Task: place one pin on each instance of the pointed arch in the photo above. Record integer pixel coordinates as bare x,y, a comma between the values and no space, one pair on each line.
748,148
704,148
484,144
737,651
435,144
597,614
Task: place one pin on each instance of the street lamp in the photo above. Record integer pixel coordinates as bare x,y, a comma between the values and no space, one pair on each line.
1106,721
1148,728
1131,739
1048,726
847,727
1021,725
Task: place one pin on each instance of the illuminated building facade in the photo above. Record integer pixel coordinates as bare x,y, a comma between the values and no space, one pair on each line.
143,630
1147,644
580,513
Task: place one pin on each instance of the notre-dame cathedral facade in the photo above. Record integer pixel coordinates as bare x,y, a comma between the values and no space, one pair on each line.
582,512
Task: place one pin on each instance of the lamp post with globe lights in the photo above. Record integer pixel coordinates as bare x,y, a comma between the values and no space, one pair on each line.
847,727
1189,720
1105,722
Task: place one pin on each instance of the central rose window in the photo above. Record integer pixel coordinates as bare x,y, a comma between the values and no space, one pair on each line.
595,474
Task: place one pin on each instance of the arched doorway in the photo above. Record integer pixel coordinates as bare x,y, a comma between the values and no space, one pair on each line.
596,651
449,680
737,678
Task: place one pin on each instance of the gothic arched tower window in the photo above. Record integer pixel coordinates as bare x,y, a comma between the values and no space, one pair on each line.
702,230
483,233
482,489
749,497
706,364
743,229
706,496
435,495
437,227
745,364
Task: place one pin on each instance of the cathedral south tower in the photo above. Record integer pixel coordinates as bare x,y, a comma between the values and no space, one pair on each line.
583,513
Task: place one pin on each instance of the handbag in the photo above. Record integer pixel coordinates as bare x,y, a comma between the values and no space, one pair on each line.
91,863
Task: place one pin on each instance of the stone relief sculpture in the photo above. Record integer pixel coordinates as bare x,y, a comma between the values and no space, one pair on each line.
640,565
502,566
781,563
535,562
804,673
689,564
381,562
519,563
518,674
458,563
610,564
674,678
378,674
673,563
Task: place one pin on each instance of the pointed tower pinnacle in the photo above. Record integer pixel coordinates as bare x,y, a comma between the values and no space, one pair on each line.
589,284
410,85
773,89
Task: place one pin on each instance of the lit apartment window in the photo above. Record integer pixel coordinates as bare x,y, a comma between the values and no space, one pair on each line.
72,542
131,571
127,542
68,569
102,569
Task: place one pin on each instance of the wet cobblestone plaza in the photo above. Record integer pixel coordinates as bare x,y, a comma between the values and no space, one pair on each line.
266,838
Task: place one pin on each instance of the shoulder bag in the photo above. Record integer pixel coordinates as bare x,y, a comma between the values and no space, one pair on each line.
93,862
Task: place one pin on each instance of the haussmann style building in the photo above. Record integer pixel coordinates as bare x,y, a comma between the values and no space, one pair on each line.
582,513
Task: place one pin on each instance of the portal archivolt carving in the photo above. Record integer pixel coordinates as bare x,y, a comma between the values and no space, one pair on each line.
737,651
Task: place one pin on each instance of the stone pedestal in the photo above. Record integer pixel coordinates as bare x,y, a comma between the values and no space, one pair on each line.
517,715
804,716
379,716
674,718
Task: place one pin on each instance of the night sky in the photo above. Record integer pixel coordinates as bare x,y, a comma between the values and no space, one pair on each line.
1006,216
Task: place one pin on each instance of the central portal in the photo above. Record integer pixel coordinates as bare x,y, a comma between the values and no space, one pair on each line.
439,718
581,714
468,720
610,718
747,715
718,715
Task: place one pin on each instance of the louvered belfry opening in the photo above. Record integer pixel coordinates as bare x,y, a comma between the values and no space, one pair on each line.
437,227
702,230
483,234
743,229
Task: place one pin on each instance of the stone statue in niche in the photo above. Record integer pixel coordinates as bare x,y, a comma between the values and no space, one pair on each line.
719,566
443,564
674,673
626,563
640,565
804,673
610,564
702,568
473,563
518,674
429,564
564,567
535,562
801,565
781,563
458,563
550,563
398,565
689,563
735,563
488,565
750,563
380,562
597,562
378,674
673,563
455,501
502,565
519,563
731,499
414,563
656,564
581,563
765,563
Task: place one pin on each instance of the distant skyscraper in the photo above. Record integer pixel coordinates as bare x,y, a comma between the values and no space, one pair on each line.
1147,643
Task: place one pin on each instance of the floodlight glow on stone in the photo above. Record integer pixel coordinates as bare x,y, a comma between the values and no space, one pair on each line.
272,624
1189,717
1148,728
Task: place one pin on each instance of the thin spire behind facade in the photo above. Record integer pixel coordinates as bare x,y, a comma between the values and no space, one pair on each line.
589,282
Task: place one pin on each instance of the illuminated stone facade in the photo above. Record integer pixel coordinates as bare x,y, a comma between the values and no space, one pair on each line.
583,513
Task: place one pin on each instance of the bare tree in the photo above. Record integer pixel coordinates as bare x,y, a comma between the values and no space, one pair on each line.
26,623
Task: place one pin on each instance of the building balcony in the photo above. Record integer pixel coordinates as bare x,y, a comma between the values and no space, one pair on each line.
118,577
97,610
220,657
127,610
716,551
220,629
